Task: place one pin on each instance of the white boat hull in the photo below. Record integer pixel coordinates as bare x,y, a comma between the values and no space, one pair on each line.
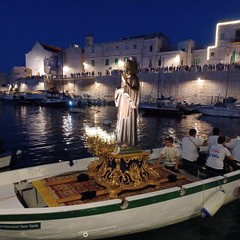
5,160
220,111
106,218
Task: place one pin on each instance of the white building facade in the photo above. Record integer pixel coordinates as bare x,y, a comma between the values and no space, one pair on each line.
152,51
226,49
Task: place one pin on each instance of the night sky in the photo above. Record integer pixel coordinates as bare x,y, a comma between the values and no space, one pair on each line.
64,22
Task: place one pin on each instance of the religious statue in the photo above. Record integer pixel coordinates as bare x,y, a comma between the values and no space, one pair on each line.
127,100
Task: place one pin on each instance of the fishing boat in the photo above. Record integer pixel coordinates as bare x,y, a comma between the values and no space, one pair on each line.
61,201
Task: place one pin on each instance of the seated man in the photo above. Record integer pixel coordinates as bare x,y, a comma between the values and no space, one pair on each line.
218,153
171,155
213,139
234,145
190,151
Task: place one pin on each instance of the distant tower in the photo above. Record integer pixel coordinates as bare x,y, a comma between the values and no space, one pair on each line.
89,40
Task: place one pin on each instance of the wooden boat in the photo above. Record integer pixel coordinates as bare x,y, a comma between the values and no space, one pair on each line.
44,202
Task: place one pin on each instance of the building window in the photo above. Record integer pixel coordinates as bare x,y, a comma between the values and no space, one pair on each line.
134,46
150,48
93,50
126,47
106,62
159,62
237,36
116,61
212,54
222,36
107,49
93,63
196,61
117,48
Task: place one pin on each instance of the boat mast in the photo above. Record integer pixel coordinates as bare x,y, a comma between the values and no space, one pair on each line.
62,72
161,79
226,94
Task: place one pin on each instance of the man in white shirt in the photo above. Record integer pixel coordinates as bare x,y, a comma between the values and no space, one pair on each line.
218,153
190,145
190,152
234,145
213,139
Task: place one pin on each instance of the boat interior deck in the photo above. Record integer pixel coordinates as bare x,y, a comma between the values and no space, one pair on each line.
48,195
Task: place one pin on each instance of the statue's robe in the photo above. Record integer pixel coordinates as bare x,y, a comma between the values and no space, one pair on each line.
127,100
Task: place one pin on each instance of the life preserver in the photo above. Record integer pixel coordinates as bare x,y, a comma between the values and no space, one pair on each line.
213,204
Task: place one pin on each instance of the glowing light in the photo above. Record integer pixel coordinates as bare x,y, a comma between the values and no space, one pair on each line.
97,84
216,35
85,65
121,64
177,59
65,69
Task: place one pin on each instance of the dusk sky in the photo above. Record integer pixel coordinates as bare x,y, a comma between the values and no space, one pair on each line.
63,22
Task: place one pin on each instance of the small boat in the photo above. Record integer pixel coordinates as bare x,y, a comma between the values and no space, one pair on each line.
164,107
5,158
31,98
53,98
221,109
11,97
50,202
8,159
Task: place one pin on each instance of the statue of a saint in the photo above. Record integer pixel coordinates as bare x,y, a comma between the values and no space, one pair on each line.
127,100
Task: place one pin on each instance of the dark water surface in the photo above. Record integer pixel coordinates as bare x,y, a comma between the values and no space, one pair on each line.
48,135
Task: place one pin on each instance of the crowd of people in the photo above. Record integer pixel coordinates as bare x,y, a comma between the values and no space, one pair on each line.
221,155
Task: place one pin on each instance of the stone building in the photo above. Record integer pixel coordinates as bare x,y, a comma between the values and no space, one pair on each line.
226,49
54,61
188,71
152,51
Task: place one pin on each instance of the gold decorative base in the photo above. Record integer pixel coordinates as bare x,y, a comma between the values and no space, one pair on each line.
123,171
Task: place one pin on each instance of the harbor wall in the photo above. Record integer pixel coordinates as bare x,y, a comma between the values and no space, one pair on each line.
193,86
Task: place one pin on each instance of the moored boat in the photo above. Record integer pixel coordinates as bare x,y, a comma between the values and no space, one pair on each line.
221,109
53,98
163,107
31,205
5,159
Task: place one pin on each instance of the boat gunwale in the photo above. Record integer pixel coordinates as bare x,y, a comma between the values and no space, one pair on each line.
91,209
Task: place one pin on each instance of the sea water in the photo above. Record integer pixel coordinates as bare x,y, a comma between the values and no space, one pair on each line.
48,135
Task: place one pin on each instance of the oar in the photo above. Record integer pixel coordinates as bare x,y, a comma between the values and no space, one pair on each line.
83,196
80,178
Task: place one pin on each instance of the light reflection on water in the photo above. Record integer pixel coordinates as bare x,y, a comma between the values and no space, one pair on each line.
47,135
50,134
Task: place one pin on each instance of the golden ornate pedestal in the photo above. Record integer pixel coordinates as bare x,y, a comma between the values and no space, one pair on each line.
123,171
